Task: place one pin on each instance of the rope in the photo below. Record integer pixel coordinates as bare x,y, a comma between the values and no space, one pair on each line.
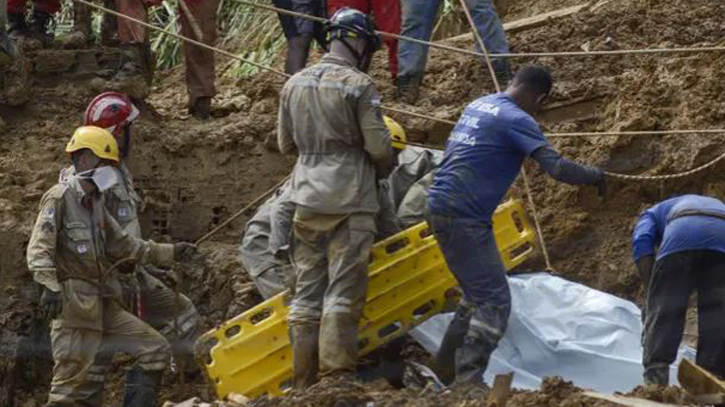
425,116
669,176
388,108
438,45
524,174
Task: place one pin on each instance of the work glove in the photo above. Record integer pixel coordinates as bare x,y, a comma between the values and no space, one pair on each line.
51,303
184,251
601,183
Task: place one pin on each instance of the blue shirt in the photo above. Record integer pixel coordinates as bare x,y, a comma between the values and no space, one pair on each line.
654,227
483,157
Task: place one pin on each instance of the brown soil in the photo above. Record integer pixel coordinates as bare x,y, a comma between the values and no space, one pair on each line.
193,175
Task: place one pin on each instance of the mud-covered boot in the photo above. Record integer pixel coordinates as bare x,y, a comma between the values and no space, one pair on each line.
338,343
109,26
141,388
7,50
201,108
17,28
305,353
453,340
502,70
135,62
81,33
408,89
39,28
659,375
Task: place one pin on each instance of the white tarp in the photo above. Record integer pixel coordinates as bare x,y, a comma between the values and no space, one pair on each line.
561,328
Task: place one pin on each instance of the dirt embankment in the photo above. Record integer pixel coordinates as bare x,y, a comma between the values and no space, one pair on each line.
194,175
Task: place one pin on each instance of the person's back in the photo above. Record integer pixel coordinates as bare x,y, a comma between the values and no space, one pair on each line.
334,172
483,157
679,247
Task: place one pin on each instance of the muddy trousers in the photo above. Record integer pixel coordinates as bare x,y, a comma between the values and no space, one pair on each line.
76,377
300,32
179,323
330,254
480,321
274,280
200,66
674,278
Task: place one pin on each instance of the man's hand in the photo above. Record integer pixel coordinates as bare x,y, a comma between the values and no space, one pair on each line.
184,251
602,186
644,267
51,303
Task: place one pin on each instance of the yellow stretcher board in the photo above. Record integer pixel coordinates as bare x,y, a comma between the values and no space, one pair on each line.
409,282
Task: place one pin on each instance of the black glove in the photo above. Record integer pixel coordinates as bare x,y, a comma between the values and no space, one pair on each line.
184,251
51,303
601,184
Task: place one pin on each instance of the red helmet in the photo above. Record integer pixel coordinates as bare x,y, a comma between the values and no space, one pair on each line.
112,111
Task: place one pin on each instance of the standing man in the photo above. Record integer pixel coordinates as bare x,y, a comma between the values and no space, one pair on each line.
300,31
137,60
42,16
690,233
71,249
483,156
331,113
172,314
418,20
387,18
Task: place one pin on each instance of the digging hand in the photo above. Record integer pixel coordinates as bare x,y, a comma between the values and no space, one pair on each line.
184,251
601,184
644,267
51,303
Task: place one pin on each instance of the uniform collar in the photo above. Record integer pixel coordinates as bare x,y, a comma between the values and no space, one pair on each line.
332,59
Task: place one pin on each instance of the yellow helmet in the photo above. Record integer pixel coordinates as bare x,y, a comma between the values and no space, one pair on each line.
96,139
397,134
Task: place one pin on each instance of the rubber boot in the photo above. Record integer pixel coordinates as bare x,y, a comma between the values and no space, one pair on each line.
17,28
657,375
453,340
408,89
502,70
338,343
201,108
305,351
109,26
141,388
136,61
81,33
39,28
297,52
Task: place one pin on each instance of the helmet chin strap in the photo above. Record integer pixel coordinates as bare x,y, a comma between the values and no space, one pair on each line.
362,59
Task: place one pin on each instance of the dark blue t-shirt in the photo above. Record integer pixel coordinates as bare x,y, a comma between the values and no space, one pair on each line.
656,227
483,157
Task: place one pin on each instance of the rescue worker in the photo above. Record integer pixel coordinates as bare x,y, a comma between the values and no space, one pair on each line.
679,247
387,18
42,16
331,113
483,156
419,17
70,252
300,32
265,245
137,59
146,288
264,251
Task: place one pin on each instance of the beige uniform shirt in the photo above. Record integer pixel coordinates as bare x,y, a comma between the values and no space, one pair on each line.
331,112
73,243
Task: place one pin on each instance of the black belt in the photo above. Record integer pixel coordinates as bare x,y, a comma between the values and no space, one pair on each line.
695,212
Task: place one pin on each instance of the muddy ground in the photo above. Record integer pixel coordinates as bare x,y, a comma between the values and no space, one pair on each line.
194,175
